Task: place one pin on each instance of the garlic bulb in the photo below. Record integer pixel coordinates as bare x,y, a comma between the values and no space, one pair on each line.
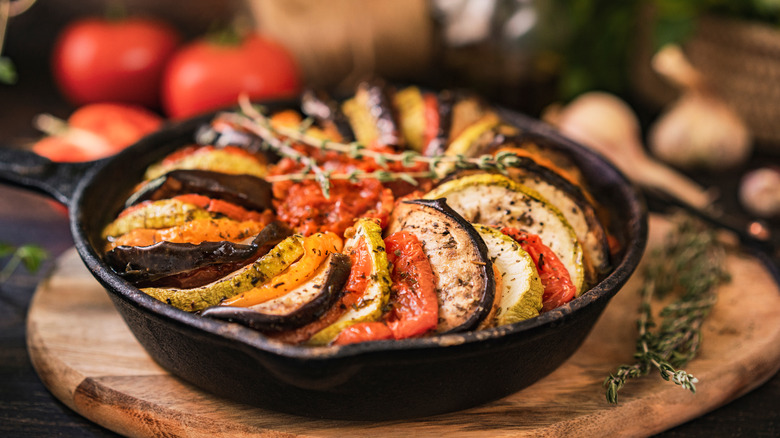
608,125
759,192
700,130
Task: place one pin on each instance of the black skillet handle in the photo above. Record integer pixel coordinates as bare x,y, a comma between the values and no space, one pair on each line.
29,170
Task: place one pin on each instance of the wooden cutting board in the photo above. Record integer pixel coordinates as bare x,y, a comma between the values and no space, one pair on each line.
88,359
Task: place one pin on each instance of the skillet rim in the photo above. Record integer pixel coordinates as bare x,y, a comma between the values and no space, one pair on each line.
234,335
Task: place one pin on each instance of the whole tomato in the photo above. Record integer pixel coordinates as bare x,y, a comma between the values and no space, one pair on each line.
206,75
96,131
99,60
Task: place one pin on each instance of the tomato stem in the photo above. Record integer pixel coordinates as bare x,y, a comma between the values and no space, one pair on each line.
226,36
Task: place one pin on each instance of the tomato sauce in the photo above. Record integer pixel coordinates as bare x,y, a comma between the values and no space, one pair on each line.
304,207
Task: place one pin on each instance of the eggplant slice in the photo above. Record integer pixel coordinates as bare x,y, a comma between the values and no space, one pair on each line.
296,308
495,200
187,265
370,113
463,272
326,111
247,191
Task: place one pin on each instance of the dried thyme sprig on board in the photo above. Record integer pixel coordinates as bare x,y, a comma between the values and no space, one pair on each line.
691,264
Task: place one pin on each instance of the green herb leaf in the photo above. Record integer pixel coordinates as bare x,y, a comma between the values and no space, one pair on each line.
7,71
691,265
6,249
32,256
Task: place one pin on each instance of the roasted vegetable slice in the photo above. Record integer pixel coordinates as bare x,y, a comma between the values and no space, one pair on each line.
194,231
245,190
297,307
436,142
326,111
574,206
480,131
186,265
410,106
521,287
154,215
558,288
266,267
370,114
316,248
228,159
371,304
413,308
463,271
496,200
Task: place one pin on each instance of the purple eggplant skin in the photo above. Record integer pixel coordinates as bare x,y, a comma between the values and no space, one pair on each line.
248,191
325,110
465,282
381,107
316,296
187,265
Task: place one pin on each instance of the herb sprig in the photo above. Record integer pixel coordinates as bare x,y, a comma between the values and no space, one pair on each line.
257,123
29,255
690,264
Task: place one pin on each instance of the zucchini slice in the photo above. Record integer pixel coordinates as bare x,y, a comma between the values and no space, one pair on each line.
228,159
411,116
480,131
266,267
522,289
377,294
298,307
462,269
577,210
156,214
496,200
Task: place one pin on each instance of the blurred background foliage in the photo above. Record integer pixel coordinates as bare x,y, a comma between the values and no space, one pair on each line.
602,34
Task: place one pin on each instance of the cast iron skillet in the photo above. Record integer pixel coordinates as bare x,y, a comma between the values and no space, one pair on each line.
370,381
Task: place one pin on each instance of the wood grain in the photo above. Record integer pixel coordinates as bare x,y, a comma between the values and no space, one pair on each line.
88,358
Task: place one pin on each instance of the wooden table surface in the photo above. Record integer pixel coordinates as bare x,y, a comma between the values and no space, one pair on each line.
28,409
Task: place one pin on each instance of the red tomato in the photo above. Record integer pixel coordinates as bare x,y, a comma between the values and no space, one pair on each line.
97,60
205,75
558,288
414,308
115,126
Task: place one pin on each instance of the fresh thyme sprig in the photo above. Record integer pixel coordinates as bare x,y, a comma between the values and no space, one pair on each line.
355,176
266,132
438,167
691,264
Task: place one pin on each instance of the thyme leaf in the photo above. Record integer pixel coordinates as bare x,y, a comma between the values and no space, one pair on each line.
30,256
690,265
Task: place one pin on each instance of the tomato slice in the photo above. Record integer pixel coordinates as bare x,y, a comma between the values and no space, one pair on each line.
414,308
364,331
558,287
431,114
